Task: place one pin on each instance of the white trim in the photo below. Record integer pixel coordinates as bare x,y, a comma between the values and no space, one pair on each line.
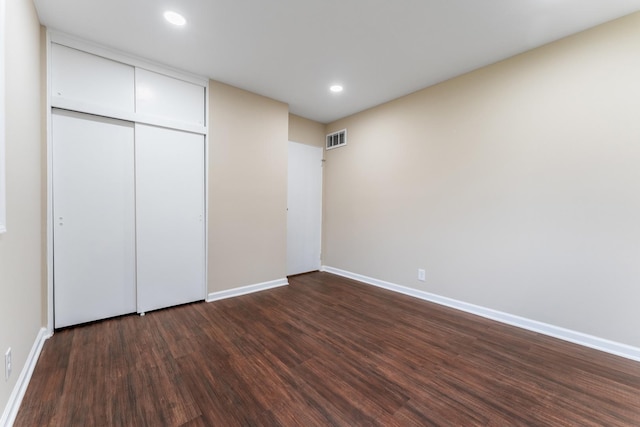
15,399
50,314
97,110
205,289
244,290
612,347
105,52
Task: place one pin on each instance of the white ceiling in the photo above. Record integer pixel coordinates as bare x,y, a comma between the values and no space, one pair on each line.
293,50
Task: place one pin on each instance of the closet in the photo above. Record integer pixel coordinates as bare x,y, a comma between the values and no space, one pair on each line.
128,187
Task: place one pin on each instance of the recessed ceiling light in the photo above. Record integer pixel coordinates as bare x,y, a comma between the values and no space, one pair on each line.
336,88
174,18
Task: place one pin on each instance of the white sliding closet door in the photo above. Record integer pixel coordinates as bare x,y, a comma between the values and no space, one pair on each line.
94,218
169,217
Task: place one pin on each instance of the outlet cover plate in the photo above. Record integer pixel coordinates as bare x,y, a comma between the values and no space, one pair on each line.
7,364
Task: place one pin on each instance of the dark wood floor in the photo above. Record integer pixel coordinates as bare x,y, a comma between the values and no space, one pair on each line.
323,351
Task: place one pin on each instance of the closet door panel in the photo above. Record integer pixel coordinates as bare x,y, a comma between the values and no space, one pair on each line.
94,218
169,98
88,82
169,217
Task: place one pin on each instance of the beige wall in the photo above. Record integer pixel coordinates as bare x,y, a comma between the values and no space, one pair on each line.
306,131
517,186
247,188
21,247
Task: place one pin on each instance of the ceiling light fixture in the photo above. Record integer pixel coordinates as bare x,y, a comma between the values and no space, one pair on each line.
174,18
336,88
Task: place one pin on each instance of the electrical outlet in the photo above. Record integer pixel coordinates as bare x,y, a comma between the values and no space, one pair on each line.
421,275
7,364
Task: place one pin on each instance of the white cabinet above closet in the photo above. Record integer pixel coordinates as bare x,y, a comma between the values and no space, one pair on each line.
89,83
138,92
162,96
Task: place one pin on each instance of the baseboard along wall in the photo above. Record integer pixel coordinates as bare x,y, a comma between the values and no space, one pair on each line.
15,399
597,343
244,290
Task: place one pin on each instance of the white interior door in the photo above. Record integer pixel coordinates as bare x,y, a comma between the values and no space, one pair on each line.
304,208
94,217
169,217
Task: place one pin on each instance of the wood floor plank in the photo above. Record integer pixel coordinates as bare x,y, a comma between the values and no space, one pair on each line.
323,351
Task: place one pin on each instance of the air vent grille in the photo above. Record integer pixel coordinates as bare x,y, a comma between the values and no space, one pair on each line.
337,139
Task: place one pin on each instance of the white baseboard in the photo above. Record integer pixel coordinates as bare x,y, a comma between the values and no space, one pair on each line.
15,399
244,290
575,337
